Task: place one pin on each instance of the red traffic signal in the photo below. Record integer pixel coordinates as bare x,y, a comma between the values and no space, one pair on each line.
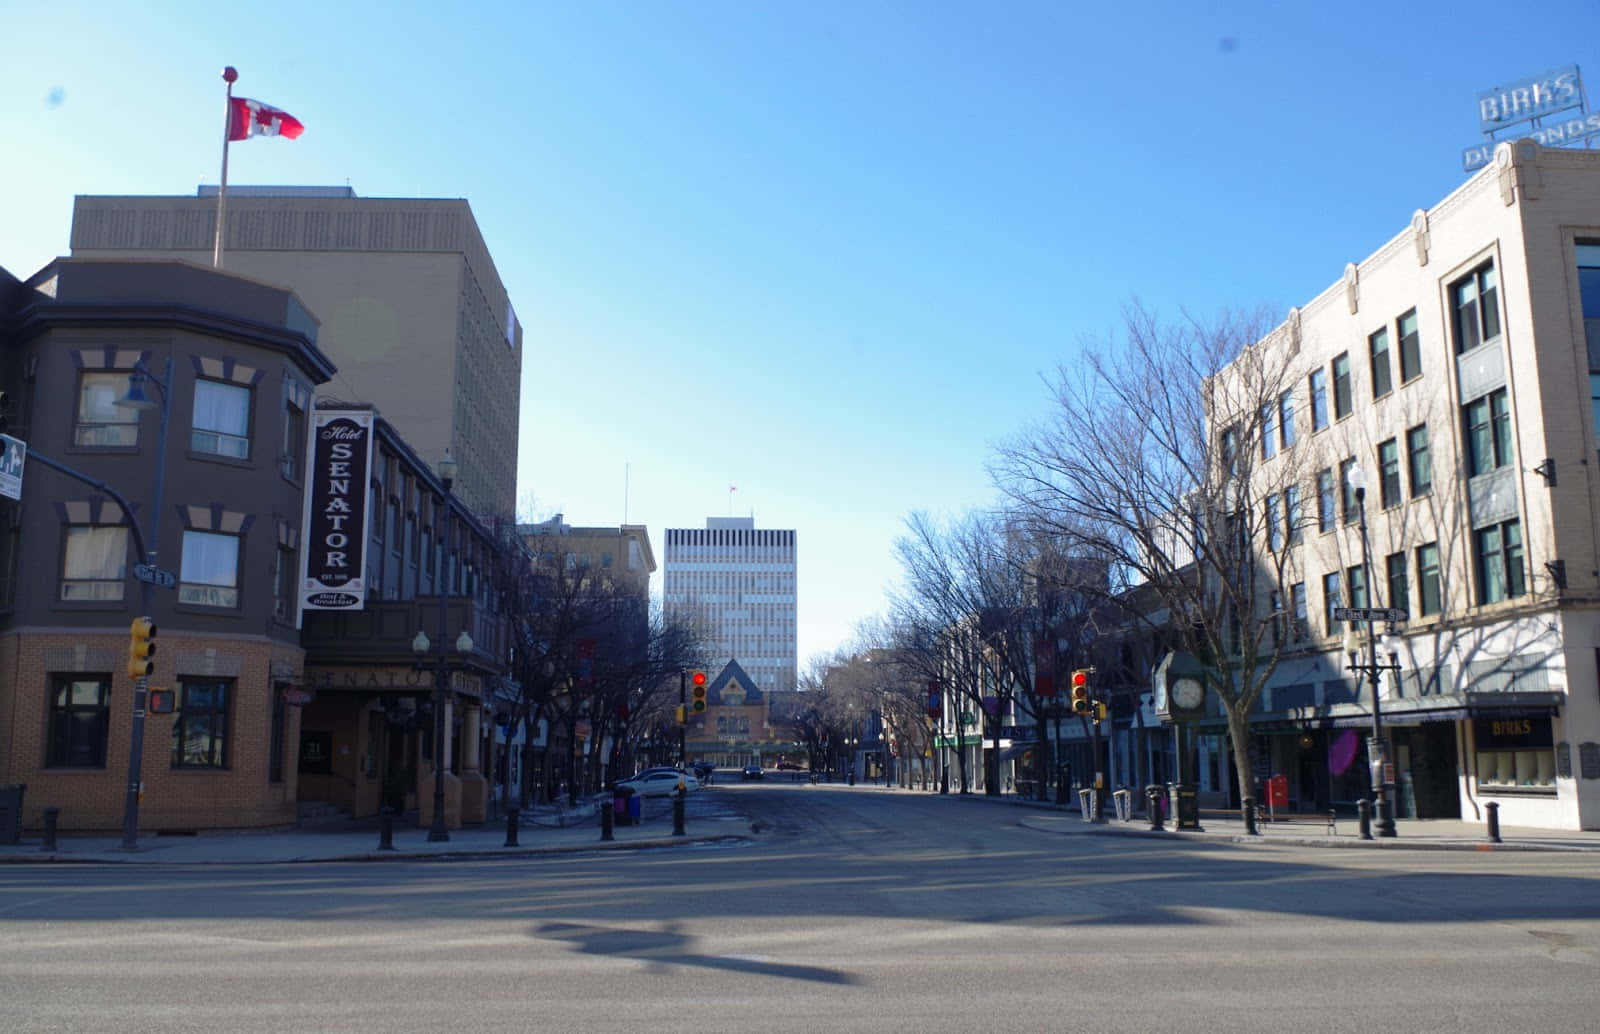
159,701
697,679
697,692
1080,691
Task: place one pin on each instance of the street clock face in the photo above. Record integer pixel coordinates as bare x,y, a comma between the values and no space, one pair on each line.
1188,693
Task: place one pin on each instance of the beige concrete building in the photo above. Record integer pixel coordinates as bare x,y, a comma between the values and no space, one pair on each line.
735,584
622,551
411,307
1458,366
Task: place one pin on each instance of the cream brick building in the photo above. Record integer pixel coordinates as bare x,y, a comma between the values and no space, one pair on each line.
1454,367
411,307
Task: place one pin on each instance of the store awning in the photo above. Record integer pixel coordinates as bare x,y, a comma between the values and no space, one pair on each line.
1016,750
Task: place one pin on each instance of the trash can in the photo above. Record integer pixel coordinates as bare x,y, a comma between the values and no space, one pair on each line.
625,806
11,812
636,809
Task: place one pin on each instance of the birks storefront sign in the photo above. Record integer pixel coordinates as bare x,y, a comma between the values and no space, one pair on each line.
335,536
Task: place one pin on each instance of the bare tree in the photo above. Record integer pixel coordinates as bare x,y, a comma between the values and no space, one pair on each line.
1162,459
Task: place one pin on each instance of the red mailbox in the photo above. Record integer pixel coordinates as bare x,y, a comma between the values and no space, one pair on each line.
1278,791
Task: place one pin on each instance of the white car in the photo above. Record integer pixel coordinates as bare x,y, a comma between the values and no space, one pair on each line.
659,783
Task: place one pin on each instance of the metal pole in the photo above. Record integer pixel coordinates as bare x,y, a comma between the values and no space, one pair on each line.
147,592
438,831
1379,752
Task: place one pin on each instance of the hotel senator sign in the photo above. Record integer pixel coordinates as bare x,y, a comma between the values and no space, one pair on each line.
333,542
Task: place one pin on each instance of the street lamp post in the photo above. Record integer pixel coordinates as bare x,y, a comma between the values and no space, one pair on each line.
1379,766
437,830
137,400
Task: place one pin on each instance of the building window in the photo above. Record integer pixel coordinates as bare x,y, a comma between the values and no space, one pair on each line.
1341,385
1286,419
1429,600
221,419
96,563
1410,348
1325,500
80,712
1319,399
280,718
210,573
1488,431
1274,523
1291,511
1330,601
285,585
1349,509
1389,473
101,422
1269,433
1356,578
200,726
1515,752
1230,451
1378,349
1475,308
1395,570
1589,294
1499,562
1421,465
294,441
1297,599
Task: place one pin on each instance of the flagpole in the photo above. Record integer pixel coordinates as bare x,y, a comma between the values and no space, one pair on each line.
229,74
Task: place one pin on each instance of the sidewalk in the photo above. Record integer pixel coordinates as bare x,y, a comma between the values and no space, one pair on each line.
1307,830
705,821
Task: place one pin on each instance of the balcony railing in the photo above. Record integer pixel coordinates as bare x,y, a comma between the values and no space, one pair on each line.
382,631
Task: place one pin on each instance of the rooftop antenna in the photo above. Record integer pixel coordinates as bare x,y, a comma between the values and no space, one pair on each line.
731,489
625,466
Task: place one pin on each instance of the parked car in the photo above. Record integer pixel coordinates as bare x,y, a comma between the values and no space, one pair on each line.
790,766
659,783
752,772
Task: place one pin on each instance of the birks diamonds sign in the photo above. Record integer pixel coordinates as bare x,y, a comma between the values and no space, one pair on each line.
333,544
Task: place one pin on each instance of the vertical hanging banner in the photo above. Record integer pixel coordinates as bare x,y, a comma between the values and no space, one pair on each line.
333,545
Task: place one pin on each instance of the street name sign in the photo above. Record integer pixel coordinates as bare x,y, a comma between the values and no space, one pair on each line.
1370,614
155,576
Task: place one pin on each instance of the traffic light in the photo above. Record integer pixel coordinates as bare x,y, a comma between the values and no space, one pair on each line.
159,701
1081,704
1100,710
678,715
5,401
697,691
141,648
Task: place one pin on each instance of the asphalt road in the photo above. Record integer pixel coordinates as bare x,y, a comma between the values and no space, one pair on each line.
849,911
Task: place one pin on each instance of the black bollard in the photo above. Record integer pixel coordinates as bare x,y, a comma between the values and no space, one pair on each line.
608,818
1250,817
511,827
51,817
1493,818
677,815
386,828
1364,818
1152,796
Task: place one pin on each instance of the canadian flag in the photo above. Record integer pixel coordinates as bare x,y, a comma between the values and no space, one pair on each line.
248,118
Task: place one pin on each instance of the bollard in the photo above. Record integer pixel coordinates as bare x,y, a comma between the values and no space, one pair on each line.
511,827
1152,796
51,817
677,815
1250,817
386,828
1364,818
608,818
1493,809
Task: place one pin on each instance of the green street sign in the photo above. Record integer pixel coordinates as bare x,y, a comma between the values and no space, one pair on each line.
968,718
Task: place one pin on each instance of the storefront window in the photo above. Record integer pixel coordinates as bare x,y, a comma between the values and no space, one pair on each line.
1515,753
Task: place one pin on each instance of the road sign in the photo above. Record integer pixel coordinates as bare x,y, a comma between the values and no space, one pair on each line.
155,576
13,452
1370,614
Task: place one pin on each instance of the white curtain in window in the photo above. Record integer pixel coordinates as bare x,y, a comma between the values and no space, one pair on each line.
96,552
97,397
223,408
210,559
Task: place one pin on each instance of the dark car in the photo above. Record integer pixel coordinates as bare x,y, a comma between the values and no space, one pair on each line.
702,770
752,771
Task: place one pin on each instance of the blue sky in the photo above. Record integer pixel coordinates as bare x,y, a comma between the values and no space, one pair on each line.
821,251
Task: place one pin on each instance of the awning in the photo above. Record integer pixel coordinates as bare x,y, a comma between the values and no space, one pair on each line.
1016,750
